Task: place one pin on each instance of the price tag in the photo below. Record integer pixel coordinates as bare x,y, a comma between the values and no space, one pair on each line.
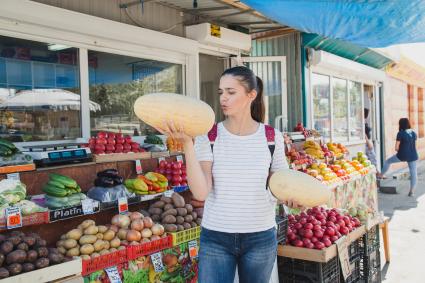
168,193
139,169
113,274
288,146
344,258
13,176
161,159
122,205
157,262
179,158
88,206
13,217
193,249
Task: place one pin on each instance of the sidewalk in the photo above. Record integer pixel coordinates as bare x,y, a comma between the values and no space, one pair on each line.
406,231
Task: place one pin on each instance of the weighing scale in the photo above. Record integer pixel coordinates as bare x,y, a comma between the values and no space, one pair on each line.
55,154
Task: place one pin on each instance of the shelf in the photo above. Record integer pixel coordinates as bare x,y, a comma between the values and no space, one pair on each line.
17,168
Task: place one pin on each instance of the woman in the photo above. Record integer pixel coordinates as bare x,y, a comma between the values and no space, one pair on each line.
238,226
406,152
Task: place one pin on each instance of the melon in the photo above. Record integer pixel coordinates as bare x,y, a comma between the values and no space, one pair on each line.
302,188
196,117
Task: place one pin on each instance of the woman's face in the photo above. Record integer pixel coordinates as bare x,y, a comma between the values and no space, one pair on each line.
234,98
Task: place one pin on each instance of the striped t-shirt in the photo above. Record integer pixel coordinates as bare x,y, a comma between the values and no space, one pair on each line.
239,201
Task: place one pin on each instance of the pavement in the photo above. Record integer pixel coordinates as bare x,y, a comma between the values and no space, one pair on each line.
406,232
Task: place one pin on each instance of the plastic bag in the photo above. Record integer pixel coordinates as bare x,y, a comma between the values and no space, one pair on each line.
109,194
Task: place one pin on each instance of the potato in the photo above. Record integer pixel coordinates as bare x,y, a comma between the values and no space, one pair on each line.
299,187
55,258
193,224
166,199
6,247
27,267
108,235
106,245
4,273
178,200
179,219
187,225
156,217
62,250
91,230
22,246
85,257
18,256
170,227
87,249
169,212
94,255
198,221
169,219
181,211
41,243
168,206
104,252
98,245
115,243
60,243
42,263
70,243
87,239
99,236
102,228
63,237
2,258
15,240
30,241
180,228
74,234
155,210
188,218
86,223
194,215
14,268
189,207
158,204
194,115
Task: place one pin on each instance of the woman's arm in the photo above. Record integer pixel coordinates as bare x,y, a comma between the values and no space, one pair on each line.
397,145
199,174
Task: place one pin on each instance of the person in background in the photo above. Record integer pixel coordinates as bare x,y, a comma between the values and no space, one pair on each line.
405,147
370,149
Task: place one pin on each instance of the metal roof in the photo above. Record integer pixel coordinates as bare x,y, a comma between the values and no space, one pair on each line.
231,13
347,50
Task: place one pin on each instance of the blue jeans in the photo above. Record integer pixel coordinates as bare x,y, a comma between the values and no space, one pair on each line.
252,253
412,169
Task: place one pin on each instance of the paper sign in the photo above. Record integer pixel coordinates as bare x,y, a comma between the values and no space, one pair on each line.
139,169
179,158
13,176
88,206
156,259
161,159
122,205
168,193
13,217
193,249
113,274
344,259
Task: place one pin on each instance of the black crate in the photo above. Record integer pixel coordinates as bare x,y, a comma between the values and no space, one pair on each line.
371,264
302,271
373,278
355,274
371,240
355,250
282,228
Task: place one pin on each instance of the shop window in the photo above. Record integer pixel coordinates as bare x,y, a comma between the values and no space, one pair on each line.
39,91
356,111
116,82
321,104
340,114
421,112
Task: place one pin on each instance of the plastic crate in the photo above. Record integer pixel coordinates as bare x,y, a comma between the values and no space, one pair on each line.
282,228
302,271
355,274
371,240
371,264
186,235
135,251
103,261
373,278
355,250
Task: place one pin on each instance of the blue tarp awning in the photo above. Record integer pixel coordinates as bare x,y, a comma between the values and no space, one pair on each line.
374,23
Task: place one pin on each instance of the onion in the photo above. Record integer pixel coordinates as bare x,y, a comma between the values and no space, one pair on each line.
122,234
157,229
134,243
146,233
135,215
114,228
155,237
145,240
137,225
133,235
147,221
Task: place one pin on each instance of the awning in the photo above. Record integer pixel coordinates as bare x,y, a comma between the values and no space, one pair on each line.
365,23
408,71
346,50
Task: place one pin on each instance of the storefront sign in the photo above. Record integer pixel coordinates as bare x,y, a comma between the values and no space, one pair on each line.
113,274
156,259
69,212
13,217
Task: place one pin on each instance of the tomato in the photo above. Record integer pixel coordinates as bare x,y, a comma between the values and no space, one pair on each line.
101,141
92,141
344,230
110,147
308,226
298,243
327,243
318,234
319,245
99,147
162,164
119,147
341,223
292,236
110,141
308,233
314,239
111,136
303,221
330,231
332,219
298,226
120,140
317,228
306,242
177,165
102,135
334,238
177,179
127,146
118,135
169,165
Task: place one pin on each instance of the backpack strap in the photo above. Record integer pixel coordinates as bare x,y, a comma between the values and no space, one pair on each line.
212,135
270,135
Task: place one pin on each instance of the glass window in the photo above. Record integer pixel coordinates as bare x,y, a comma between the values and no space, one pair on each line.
116,81
321,104
340,115
356,111
34,104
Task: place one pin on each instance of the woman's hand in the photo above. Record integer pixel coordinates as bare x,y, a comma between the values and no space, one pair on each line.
293,204
176,132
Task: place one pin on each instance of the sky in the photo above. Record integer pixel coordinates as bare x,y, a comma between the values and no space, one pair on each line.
413,51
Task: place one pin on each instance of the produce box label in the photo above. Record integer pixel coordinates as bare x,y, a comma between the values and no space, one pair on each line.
69,212
13,217
122,205
113,274
139,169
13,176
157,262
193,249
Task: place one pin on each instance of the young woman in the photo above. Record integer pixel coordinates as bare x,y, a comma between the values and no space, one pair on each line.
405,147
238,226
370,150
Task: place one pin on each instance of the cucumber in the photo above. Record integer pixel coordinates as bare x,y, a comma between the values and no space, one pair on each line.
5,151
54,191
7,144
68,182
56,184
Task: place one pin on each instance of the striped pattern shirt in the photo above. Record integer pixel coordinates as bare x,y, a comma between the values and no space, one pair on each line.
239,201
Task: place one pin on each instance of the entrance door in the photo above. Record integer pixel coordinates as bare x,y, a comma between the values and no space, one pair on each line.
272,70
372,103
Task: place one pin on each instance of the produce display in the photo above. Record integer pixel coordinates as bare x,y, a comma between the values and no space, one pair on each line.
62,191
307,133
150,183
21,253
285,185
193,115
175,171
314,149
319,228
174,145
338,150
174,213
106,143
299,157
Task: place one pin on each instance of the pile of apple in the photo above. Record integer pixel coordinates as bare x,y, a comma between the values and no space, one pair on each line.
300,128
105,143
299,157
175,171
319,228
326,152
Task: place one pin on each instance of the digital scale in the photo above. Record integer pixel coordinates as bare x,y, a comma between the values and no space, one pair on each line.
296,136
54,154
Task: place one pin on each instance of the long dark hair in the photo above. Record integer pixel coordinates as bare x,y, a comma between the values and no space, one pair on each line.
251,82
403,124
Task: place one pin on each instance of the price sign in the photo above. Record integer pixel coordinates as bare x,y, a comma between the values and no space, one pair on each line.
13,217
157,262
161,159
139,169
168,193
88,206
193,249
344,258
13,176
113,274
122,205
179,158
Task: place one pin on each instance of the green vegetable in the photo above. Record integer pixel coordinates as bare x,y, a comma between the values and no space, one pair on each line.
66,181
153,139
54,191
12,191
56,184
